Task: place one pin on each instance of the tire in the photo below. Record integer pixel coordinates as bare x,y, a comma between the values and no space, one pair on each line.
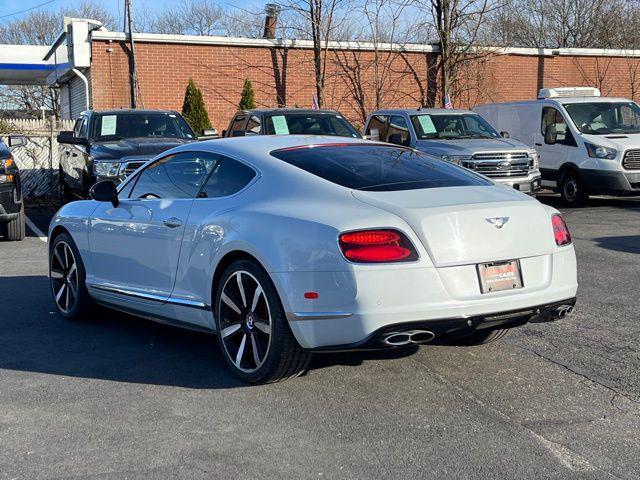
572,189
479,337
253,320
65,279
15,229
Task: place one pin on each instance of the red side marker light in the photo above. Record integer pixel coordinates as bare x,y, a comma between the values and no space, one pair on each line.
310,295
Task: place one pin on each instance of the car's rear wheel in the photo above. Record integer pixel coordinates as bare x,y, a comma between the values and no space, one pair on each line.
14,230
253,332
67,277
572,190
480,337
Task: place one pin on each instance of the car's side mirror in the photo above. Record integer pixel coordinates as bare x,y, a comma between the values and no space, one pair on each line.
17,141
105,191
224,133
504,134
550,135
67,137
396,139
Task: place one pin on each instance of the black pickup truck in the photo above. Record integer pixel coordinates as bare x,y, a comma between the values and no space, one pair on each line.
113,144
11,203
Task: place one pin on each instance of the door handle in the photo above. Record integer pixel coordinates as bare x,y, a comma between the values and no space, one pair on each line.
173,222
538,144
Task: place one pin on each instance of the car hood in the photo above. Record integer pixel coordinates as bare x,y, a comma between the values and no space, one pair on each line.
619,141
469,146
134,147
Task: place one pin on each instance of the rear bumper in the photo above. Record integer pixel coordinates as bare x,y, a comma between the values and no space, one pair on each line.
352,305
452,328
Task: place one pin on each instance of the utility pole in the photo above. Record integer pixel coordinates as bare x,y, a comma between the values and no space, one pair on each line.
134,73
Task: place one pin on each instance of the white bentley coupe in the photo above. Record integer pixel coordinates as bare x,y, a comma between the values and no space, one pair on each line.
286,245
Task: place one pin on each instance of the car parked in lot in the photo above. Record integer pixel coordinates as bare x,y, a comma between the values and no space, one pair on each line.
588,144
461,137
113,144
286,245
12,217
290,121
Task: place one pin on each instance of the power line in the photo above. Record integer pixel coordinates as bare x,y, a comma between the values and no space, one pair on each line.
27,9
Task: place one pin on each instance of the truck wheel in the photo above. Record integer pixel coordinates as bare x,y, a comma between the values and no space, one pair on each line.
254,335
15,229
572,190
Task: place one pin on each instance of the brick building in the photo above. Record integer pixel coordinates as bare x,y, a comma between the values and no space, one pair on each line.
93,69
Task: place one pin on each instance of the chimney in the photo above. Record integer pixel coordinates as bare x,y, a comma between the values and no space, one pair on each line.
271,20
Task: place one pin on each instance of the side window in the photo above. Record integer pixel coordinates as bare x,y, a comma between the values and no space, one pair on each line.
398,131
377,127
80,128
551,116
228,177
237,124
253,125
176,176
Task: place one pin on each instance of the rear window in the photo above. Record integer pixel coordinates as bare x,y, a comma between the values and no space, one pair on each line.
378,167
309,124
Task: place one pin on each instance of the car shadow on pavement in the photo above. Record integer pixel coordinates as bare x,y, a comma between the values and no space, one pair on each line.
627,244
108,345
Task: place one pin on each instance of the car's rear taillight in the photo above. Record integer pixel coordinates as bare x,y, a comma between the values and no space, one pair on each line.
377,246
560,230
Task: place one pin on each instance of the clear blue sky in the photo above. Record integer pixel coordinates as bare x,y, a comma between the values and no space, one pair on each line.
116,6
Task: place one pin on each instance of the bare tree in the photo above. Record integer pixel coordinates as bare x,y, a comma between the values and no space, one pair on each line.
321,19
458,25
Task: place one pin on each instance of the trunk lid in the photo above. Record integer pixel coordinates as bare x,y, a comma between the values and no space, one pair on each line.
455,223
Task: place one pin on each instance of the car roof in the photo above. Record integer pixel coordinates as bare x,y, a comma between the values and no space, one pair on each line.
115,111
417,111
284,111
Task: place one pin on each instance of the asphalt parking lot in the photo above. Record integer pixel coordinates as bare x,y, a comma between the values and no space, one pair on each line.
121,397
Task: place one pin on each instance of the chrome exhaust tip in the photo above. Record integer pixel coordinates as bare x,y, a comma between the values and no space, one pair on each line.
397,339
420,337
563,310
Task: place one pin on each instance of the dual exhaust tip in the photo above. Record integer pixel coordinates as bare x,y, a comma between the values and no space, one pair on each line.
562,311
416,337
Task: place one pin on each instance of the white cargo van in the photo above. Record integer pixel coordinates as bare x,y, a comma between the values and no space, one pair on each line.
587,144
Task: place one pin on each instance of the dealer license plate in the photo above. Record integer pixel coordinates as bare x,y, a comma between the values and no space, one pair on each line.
498,276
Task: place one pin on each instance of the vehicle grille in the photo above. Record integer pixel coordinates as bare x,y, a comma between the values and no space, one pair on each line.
631,160
130,167
500,164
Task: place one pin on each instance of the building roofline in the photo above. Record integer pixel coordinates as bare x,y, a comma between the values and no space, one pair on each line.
351,45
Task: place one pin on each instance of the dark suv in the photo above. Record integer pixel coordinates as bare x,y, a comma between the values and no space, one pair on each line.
11,202
113,144
290,121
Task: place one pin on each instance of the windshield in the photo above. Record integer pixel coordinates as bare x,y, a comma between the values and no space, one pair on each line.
601,118
115,126
309,124
378,167
452,127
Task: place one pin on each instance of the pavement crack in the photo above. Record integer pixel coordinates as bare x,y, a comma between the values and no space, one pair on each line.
590,378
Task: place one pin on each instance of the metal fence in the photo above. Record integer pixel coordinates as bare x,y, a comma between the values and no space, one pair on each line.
38,161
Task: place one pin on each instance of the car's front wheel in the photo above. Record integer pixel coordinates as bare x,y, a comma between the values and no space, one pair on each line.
67,278
253,332
572,190
14,230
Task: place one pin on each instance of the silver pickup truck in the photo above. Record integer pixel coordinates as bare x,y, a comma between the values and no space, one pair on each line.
461,137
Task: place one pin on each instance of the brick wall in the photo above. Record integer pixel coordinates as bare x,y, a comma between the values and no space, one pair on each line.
285,77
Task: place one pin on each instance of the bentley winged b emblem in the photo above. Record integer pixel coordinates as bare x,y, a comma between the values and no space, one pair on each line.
497,222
